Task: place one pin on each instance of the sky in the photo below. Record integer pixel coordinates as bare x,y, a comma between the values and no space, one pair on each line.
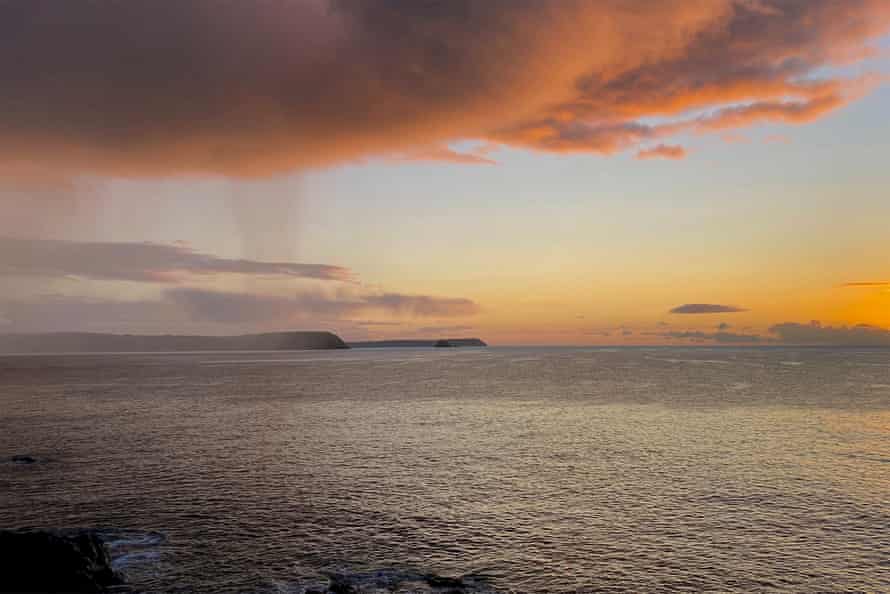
572,172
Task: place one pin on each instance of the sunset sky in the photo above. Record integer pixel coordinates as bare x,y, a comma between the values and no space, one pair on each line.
572,172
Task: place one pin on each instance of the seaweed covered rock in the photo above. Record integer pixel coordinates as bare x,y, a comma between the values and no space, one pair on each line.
54,561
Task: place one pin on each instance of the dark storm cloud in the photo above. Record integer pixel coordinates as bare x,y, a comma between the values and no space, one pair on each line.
816,333
144,262
705,308
162,87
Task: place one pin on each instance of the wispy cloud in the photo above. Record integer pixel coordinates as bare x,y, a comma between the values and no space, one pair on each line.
143,262
705,308
438,330
229,307
719,337
210,310
867,284
326,81
662,151
446,154
421,305
185,279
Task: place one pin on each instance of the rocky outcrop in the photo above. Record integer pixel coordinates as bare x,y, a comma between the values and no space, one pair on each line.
85,342
54,561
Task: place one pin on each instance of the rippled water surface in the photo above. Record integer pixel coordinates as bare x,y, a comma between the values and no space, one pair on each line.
532,469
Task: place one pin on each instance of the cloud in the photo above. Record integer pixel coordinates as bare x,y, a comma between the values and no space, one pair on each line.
422,305
446,154
705,308
210,310
146,88
867,284
662,151
816,333
188,292
142,262
52,313
721,337
443,329
228,307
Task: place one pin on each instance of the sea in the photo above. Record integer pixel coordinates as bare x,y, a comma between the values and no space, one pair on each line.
516,469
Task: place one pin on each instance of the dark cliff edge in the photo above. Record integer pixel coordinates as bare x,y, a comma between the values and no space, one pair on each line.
55,561
410,343
84,342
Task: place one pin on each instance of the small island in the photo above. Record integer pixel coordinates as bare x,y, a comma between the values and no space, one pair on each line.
419,343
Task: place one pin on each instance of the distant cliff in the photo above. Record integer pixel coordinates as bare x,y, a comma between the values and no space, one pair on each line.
409,343
83,342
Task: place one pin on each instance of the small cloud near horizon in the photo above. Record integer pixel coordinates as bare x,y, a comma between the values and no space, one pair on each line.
815,333
373,323
867,284
705,308
720,337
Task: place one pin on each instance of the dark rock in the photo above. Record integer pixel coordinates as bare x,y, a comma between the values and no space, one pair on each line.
397,581
21,459
340,585
439,581
54,561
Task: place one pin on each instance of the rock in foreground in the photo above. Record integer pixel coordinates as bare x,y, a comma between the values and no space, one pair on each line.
401,582
54,561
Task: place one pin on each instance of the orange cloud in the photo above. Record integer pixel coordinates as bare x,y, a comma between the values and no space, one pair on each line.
662,151
142,88
447,154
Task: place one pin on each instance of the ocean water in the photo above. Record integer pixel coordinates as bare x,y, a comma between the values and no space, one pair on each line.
529,469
